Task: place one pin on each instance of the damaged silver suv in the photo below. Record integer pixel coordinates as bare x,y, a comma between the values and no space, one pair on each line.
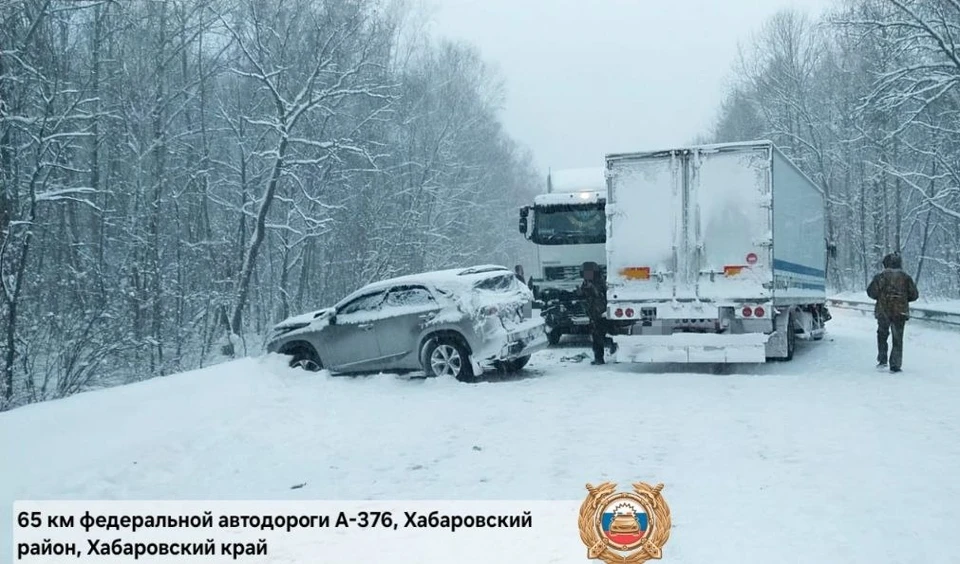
446,323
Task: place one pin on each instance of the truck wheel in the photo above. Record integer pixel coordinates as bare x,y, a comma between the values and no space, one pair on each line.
791,338
447,357
553,336
514,365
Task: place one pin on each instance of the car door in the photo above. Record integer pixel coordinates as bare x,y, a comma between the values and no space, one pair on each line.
350,343
406,311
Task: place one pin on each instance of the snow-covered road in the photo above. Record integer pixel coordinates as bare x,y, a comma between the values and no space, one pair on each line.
822,459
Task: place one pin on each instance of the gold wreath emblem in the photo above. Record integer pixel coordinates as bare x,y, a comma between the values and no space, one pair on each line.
648,547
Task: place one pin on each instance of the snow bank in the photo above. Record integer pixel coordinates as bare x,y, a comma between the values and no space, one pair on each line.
780,454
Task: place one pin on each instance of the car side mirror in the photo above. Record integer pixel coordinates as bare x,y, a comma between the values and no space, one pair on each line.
333,319
832,249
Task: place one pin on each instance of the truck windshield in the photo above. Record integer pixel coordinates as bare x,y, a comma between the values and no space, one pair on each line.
569,225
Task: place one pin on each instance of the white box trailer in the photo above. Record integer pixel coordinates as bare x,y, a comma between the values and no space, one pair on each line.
715,254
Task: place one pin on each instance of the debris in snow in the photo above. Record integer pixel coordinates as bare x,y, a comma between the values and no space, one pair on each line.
476,448
575,358
298,486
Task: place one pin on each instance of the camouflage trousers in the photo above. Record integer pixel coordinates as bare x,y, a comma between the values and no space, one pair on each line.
598,337
890,327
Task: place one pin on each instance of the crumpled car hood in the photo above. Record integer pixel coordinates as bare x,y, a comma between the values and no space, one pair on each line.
304,319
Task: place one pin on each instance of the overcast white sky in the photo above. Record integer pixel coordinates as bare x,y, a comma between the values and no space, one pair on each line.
588,77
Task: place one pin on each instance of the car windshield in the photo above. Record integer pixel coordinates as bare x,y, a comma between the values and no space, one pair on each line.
580,224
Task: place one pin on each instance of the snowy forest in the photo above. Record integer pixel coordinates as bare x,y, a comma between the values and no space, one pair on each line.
865,100
176,176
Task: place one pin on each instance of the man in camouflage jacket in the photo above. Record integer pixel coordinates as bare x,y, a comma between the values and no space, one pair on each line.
893,289
593,290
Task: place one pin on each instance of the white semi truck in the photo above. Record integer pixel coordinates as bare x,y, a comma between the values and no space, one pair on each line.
568,226
715,254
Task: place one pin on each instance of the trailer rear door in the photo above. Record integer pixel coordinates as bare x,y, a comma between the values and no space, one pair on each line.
642,209
729,192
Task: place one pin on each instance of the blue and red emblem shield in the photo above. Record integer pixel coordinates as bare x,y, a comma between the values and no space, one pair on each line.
624,523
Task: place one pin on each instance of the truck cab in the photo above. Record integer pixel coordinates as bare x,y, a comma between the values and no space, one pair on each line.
568,226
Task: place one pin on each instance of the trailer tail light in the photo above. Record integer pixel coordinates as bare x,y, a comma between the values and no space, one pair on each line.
619,312
636,272
746,311
732,270
629,312
759,311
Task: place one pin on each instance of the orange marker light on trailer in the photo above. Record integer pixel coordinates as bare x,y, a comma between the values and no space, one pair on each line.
636,272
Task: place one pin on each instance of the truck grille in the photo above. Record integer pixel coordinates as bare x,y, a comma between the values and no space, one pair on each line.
566,272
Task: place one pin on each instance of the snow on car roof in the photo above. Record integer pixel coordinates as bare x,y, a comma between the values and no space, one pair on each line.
453,276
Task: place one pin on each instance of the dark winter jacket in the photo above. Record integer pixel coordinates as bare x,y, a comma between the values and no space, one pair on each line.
594,293
893,289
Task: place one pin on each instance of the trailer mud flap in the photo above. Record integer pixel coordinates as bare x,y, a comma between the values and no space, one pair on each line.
692,348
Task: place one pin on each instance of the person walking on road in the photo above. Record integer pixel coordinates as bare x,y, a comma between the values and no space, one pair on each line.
594,292
893,289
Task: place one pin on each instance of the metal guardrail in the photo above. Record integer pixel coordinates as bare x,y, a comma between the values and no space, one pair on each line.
917,312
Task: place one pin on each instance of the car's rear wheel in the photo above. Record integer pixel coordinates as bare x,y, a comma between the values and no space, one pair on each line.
304,357
447,357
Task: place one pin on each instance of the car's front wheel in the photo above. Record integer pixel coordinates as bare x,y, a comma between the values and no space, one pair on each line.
304,357
447,357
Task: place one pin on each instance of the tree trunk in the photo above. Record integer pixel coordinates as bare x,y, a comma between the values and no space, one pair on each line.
259,231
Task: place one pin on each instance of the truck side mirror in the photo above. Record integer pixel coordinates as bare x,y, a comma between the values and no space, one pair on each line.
524,212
